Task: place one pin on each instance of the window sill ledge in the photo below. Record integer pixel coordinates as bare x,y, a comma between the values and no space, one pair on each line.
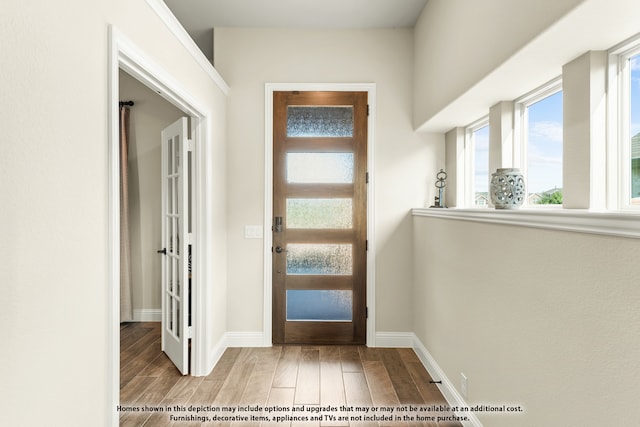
621,224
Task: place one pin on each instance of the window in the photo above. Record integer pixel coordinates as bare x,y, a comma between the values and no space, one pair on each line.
540,116
605,133
624,123
630,141
477,163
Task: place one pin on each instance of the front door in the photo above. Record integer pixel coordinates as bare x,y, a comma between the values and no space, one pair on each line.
175,262
319,211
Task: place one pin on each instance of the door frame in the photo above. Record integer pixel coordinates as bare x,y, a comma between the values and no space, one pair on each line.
270,88
125,55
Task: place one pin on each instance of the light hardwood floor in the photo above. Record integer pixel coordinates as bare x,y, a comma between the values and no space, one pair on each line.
338,378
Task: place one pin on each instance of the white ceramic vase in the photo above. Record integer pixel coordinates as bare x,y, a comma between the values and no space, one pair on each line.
507,188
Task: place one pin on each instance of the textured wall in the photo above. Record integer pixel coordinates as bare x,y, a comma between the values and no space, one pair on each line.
405,164
56,365
541,318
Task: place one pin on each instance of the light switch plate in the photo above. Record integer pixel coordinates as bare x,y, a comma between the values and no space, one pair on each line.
253,232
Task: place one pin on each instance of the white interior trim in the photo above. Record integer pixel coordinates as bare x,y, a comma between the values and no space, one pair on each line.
469,159
446,388
370,88
618,137
234,339
395,339
244,339
147,315
113,262
125,55
217,351
574,220
176,28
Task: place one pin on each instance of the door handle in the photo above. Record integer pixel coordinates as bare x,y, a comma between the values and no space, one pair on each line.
162,251
279,250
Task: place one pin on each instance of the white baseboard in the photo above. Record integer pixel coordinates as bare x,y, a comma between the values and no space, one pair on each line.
395,339
244,339
147,315
446,388
215,354
233,339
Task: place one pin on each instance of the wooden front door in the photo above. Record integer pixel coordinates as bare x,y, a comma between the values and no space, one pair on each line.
319,217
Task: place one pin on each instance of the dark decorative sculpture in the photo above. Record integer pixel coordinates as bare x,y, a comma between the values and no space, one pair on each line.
440,184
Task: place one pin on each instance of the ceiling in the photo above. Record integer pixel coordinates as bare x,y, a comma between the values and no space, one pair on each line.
199,17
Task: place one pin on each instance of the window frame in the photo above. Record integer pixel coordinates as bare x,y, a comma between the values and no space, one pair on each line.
619,137
469,161
521,139
613,219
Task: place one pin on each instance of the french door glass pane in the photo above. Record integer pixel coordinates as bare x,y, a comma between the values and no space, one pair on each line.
176,163
322,259
319,305
172,273
319,213
170,189
170,156
174,195
177,331
319,121
320,168
178,275
169,221
169,314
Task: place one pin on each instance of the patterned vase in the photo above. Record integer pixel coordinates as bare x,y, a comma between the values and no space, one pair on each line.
507,188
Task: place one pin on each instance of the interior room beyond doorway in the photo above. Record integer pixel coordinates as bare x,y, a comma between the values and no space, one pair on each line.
149,115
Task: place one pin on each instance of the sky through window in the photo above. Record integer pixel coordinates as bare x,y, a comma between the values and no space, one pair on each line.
544,145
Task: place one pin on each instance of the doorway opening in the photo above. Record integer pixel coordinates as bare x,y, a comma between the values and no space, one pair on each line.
154,222
126,56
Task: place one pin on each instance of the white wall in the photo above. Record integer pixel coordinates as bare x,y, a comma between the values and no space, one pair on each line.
56,345
460,42
54,225
405,163
545,319
463,68
148,117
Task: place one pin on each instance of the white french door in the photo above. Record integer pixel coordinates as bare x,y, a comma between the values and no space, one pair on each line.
175,242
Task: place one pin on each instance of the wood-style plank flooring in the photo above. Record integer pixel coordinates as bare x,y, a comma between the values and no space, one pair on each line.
341,379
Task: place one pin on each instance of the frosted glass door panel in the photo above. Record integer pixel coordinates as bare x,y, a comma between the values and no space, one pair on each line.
320,168
319,259
320,213
319,121
317,305
319,207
